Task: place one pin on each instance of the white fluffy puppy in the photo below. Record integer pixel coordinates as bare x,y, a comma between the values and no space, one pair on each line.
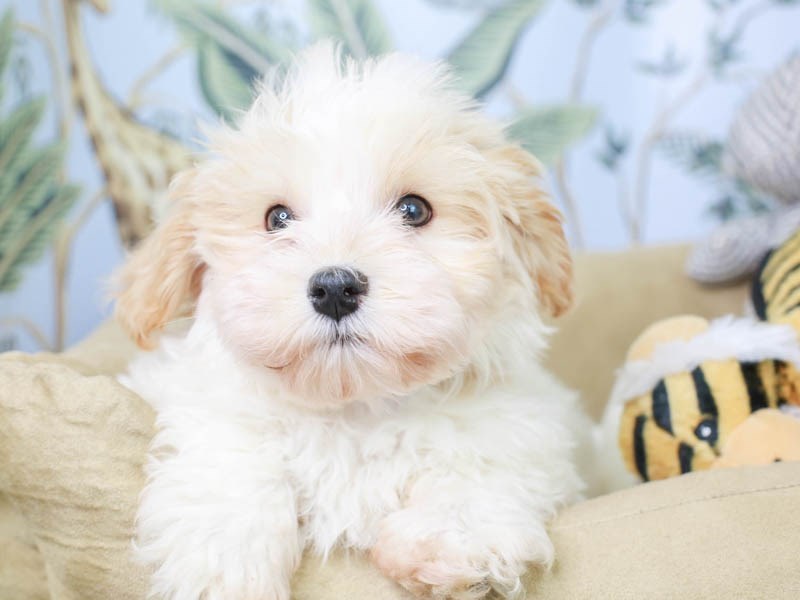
367,260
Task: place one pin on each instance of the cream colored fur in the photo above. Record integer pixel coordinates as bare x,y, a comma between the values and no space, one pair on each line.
431,438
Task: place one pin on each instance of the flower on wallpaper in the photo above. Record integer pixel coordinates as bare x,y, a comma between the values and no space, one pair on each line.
33,200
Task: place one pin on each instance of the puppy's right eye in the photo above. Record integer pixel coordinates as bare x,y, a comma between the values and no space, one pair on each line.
278,217
414,209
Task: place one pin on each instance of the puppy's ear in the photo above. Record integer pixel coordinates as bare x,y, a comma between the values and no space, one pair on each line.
162,276
536,231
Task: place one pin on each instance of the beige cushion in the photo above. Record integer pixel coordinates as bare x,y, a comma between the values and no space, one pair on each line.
72,444
21,565
71,453
72,449
727,534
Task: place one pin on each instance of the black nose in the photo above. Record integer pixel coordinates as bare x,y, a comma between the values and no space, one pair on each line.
335,292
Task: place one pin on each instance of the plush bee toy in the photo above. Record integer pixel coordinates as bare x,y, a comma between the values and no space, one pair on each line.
695,394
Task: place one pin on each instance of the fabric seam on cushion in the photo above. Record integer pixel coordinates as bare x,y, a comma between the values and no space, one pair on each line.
674,505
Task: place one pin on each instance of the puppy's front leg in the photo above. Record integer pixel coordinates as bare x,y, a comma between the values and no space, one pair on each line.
218,518
461,536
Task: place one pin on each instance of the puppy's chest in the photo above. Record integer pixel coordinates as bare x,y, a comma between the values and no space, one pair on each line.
348,478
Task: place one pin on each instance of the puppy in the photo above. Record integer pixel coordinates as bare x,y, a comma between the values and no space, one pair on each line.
367,260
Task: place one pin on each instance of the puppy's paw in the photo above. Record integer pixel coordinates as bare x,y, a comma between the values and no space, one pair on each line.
455,562
433,567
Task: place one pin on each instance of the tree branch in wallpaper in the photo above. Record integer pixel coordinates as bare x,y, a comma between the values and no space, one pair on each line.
599,20
62,255
623,202
752,12
64,239
653,135
514,94
136,160
30,328
58,71
135,95
63,112
721,52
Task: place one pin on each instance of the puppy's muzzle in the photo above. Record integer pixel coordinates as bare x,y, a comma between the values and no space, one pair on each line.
336,292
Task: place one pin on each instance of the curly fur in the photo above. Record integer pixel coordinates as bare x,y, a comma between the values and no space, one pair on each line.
420,429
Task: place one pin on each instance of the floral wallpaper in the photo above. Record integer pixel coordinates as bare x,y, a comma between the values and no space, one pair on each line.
657,119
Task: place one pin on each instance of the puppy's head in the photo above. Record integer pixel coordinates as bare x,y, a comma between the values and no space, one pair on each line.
361,233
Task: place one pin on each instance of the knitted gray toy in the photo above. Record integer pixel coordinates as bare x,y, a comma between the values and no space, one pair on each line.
763,150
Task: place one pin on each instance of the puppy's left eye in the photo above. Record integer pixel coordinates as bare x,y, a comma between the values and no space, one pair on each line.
278,217
414,209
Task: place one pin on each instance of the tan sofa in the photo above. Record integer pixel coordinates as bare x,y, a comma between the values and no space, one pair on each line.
72,443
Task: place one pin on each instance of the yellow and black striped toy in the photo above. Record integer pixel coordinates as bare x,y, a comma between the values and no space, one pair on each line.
776,285
685,421
688,384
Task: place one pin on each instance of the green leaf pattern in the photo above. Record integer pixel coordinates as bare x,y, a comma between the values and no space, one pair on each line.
230,55
693,152
225,79
355,24
32,200
481,59
231,50
6,41
548,131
